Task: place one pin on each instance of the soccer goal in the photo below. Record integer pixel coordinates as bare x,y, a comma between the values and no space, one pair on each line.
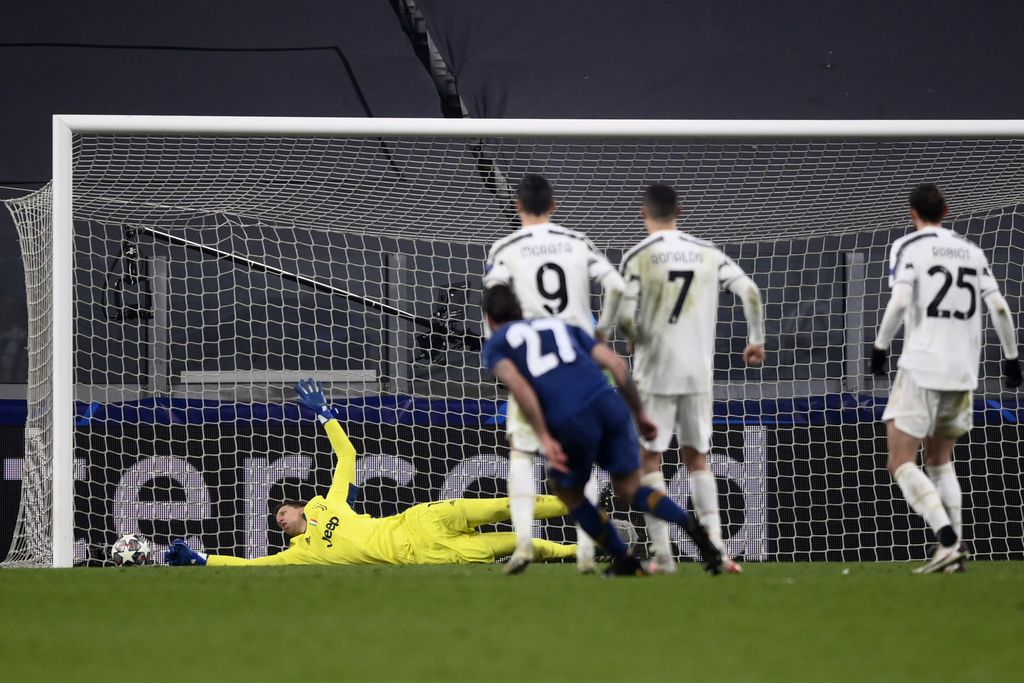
184,272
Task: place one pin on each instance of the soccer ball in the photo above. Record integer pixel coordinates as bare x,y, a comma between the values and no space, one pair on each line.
131,549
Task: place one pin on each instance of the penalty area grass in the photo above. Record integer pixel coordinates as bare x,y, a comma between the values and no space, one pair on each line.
776,622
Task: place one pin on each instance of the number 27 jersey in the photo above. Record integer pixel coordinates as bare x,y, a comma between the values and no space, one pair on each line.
950,278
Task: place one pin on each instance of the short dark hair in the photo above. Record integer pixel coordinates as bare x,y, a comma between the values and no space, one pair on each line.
501,304
927,200
535,194
660,201
289,504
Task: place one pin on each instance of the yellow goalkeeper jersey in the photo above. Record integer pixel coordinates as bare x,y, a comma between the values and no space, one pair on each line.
335,533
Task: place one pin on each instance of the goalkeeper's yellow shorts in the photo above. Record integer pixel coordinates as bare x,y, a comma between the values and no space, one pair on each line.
439,533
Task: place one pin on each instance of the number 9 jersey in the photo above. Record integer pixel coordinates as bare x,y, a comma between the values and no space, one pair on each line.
950,278
550,269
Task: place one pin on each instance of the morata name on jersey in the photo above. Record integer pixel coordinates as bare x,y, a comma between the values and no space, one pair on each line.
527,251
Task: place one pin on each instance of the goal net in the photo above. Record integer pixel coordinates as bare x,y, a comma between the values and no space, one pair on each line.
183,274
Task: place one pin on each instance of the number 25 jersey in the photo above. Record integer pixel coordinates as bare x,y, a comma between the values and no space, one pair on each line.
950,277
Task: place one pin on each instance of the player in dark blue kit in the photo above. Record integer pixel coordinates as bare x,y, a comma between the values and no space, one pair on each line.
554,371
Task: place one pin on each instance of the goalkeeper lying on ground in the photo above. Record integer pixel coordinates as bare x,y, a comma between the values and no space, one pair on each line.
326,530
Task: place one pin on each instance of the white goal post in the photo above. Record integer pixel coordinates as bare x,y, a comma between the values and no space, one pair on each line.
828,196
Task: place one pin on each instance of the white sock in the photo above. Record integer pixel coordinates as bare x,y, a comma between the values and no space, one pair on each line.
521,491
704,492
584,543
946,483
921,495
657,528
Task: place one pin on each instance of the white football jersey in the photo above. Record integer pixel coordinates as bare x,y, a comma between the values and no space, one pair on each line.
550,269
676,279
950,277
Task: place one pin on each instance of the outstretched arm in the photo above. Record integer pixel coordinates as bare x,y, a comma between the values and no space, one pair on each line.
508,374
753,310
1002,320
891,321
343,490
179,554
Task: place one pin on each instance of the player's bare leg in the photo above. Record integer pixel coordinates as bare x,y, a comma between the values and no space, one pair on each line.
704,492
522,488
645,499
922,497
662,561
584,543
938,460
599,526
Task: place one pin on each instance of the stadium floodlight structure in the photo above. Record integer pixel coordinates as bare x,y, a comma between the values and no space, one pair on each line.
177,266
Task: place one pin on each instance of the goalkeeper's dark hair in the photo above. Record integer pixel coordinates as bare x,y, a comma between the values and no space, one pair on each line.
501,304
661,202
289,504
927,200
535,194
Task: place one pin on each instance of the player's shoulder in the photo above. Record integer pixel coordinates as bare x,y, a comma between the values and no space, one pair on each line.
683,236
914,240
556,230
665,238
503,243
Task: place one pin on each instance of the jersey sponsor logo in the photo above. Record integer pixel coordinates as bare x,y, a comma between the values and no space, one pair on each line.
331,526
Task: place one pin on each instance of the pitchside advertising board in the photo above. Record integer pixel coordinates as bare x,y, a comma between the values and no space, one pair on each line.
796,482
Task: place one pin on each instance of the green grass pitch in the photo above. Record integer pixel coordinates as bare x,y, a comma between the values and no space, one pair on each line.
776,622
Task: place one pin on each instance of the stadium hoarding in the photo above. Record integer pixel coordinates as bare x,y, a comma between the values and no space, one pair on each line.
804,485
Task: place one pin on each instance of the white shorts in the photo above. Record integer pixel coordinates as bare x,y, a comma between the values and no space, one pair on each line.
518,430
687,415
921,412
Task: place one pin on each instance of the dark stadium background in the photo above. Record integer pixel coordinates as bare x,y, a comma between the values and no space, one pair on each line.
578,59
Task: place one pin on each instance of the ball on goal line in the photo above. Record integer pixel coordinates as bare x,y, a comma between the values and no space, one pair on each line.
130,550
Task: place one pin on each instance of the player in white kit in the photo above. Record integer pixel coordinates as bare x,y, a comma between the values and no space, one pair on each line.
938,280
550,269
669,312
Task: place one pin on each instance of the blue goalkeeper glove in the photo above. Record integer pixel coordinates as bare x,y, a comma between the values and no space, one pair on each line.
179,554
311,395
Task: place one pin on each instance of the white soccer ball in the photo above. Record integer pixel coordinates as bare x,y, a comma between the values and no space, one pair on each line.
131,549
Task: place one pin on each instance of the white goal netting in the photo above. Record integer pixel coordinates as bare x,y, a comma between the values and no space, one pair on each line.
210,273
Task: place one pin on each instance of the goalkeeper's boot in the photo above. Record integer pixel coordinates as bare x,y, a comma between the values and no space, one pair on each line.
519,560
625,566
711,557
944,556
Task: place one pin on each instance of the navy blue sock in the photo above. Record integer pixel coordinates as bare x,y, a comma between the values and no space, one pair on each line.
599,527
658,504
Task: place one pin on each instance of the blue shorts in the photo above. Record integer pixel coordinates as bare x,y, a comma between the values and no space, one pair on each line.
602,434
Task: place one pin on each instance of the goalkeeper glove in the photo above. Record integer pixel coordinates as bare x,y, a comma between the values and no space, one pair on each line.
311,395
1011,373
179,554
879,361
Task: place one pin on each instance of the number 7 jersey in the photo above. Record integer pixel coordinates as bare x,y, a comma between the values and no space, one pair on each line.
550,269
672,283
950,278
